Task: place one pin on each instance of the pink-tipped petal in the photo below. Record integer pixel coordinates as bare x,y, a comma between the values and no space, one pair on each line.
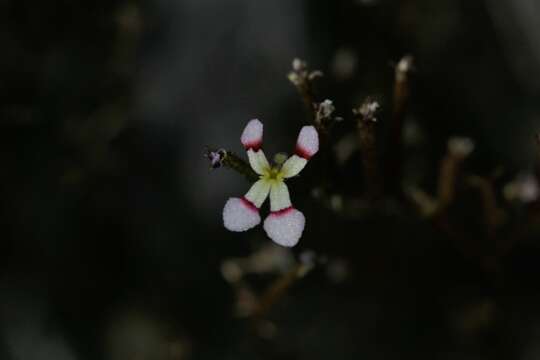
307,144
258,161
240,215
252,135
293,166
285,227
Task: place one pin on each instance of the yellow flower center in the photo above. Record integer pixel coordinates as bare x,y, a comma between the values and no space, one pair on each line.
272,173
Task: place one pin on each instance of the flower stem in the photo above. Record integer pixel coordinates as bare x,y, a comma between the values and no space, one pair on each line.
226,158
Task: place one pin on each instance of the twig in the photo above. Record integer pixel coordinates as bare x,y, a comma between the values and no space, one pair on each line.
401,96
425,203
458,150
365,116
277,289
493,215
302,78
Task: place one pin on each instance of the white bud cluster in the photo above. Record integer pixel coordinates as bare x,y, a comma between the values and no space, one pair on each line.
368,110
300,73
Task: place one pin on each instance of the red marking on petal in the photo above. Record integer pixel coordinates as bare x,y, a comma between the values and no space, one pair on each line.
282,212
254,145
303,152
248,204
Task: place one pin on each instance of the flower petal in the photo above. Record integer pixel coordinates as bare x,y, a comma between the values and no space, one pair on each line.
257,161
293,166
258,192
285,227
252,136
240,215
307,144
279,196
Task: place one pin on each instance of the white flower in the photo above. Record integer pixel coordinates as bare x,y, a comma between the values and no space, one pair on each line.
285,224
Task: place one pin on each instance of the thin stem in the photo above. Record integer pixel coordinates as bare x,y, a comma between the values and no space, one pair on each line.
459,148
302,78
401,96
448,174
277,289
365,116
225,158
493,215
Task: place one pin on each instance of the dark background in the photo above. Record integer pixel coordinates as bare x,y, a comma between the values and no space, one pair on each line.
111,237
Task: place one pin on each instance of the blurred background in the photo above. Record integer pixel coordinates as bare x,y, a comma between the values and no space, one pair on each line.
111,237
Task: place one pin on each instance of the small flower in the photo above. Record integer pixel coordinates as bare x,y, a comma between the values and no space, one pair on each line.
285,224
215,157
